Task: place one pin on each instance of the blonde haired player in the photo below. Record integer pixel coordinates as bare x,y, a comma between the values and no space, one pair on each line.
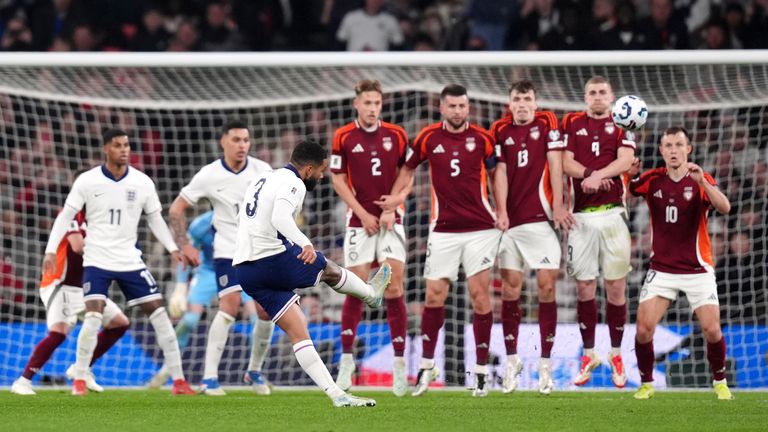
597,154
366,157
679,195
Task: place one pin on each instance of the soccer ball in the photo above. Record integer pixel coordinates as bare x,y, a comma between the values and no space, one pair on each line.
630,113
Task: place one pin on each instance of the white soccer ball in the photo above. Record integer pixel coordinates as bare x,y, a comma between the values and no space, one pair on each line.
630,113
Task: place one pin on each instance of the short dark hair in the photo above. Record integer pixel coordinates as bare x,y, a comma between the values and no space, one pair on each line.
111,134
233,124
308,152
522,86
673,130
453,90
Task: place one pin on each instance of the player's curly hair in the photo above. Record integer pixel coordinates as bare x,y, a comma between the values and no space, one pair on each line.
308,152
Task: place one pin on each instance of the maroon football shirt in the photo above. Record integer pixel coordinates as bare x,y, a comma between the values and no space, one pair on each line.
678,221
524,148
595,144
371,161
457,167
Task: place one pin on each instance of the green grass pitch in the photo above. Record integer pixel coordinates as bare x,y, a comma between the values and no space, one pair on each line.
288,411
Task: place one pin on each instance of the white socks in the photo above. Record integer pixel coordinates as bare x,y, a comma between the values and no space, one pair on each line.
86,343
166,338
260,341
354,286
426,363
217,339
313,365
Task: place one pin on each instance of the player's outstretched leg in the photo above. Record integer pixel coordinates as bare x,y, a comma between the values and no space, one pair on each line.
344,281
294,325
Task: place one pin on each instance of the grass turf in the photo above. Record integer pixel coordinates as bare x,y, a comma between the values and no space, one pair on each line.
145,411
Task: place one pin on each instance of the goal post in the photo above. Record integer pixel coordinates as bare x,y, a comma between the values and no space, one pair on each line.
53,107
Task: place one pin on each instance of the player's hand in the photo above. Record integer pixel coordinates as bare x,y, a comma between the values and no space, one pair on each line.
389,202
49,264
563,219
307,255
606,185
177,304
370,223
502,221
191,254
635,168
591,184
178,258
697,174
387,220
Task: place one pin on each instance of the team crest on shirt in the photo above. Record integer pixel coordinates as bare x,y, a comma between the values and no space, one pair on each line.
470,144
610,128
535,134
387,143
554,135
688,193
130,195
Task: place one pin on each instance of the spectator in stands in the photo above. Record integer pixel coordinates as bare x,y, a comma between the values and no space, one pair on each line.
756,36
370,28
422,42
56,18
84,39
568,35
432,26
151,35
17,36
185,38
736,20
219,32
664,29
490,20
715,35
615,26
539,17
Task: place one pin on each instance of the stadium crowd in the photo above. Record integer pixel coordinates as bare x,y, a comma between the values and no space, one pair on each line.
379,25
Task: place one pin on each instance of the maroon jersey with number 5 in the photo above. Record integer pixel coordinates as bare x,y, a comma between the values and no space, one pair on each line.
371,161
595,143
457,170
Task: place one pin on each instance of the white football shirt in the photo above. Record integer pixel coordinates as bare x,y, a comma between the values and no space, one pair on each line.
256,236
224,189
113,208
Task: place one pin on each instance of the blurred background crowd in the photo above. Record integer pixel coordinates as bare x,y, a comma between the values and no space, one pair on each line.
380,25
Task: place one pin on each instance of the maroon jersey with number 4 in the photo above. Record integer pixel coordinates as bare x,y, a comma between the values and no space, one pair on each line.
371,161
595,143
524,148
457,169
678,221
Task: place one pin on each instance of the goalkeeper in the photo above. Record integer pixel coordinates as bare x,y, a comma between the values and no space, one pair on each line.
202,289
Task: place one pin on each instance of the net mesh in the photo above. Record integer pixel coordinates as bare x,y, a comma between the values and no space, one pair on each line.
50,124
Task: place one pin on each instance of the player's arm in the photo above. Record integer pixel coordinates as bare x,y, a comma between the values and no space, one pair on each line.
178,222
718,199
75,201
154,211
500,192
76,242
400,190
593,180
561,217
283,221
341,185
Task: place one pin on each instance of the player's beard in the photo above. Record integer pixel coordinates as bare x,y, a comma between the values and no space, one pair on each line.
310,183
458,125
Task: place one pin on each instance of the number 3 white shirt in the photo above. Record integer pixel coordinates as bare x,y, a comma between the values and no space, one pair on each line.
224,189
113,208
256,236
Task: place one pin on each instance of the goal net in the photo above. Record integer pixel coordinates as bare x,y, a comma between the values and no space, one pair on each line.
54,107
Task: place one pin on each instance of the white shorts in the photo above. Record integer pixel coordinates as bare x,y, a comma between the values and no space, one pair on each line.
65,303
600,241
533,244
699,288
475,250
360,248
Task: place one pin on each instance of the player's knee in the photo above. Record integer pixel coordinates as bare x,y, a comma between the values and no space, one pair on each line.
60,327
712,332
394,290
331,273
120,320
645,331
585,290
435,297
481,301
